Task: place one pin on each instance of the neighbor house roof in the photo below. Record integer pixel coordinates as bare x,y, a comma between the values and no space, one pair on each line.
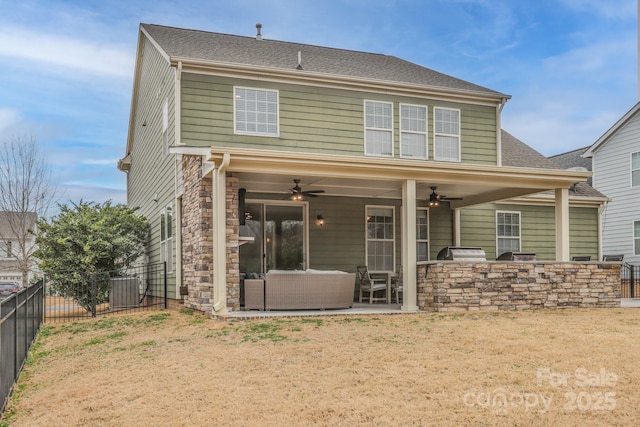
572,159
517,153
605,137
184,44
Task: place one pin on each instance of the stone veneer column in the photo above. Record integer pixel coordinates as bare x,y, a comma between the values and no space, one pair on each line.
233,248
197,237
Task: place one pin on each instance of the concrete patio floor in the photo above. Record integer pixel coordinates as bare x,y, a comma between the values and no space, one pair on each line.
630,302
358,308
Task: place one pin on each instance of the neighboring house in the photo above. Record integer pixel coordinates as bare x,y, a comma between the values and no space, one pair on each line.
16,246
616,173
222,125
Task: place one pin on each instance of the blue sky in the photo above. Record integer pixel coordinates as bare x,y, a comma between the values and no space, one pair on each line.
67,65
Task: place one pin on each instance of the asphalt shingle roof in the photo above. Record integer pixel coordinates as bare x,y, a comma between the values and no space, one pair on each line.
278,55
517,153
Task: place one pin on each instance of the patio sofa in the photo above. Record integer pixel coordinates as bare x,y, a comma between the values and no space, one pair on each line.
307,290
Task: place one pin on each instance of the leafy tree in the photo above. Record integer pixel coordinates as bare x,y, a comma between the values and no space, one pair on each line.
85,239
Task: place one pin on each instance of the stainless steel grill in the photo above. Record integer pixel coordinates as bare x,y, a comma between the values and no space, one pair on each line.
462,254
517,256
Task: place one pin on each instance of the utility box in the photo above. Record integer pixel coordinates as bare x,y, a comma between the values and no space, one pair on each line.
124,292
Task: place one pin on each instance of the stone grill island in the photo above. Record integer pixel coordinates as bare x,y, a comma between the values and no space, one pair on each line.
469,283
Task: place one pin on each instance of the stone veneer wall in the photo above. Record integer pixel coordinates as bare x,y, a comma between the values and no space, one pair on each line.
233,248
197,237
468,286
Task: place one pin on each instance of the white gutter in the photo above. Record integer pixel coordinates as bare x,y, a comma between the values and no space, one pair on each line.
499,109
177,102
219,222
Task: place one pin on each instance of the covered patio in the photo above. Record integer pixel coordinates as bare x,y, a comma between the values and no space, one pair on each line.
350,185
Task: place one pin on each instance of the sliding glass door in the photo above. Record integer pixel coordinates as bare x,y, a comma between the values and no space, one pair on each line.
279,238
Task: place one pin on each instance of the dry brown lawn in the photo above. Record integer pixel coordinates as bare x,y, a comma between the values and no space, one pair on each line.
176,368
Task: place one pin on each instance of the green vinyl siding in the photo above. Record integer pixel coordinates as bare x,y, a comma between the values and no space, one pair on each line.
583,232
478,228
440,229
318,119
152,172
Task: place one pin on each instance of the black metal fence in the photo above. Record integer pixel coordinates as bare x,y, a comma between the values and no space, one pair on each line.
630,285
20,320
97,294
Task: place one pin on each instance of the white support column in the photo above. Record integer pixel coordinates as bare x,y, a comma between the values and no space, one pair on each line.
409,266
456,227
219,209
562,224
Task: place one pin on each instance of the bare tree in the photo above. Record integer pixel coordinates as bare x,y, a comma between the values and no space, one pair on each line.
27,193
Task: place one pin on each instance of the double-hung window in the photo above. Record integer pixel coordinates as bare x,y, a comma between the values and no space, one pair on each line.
422,235
5,249
413,131
635,169
378,123
636,237
166,237
507,232
446,137
380,238
255,111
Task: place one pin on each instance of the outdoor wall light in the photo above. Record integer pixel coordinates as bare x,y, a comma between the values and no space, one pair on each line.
320,220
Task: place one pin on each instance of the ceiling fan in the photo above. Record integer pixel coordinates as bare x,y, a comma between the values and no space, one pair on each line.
435,198
296,192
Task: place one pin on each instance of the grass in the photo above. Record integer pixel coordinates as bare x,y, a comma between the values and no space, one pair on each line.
411,369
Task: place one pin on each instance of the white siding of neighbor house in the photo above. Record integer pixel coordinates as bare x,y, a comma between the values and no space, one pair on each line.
612,176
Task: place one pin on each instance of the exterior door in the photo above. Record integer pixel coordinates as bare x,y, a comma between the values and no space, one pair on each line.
279,233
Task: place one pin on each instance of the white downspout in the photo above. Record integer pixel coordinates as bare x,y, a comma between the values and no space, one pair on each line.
219,222
601,211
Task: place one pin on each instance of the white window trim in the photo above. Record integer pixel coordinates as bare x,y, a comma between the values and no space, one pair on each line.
367,240
427,241
272,135
425,133
168,241
632,169
634,237
519,238
364,112
459,135
6,250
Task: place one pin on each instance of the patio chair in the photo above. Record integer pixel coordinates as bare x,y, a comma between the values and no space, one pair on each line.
581,258
396,286
615,258
370,285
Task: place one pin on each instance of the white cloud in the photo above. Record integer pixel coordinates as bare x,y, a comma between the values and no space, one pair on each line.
610,9
8,117
76,54
101,162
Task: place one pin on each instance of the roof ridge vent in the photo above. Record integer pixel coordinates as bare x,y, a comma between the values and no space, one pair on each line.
258,31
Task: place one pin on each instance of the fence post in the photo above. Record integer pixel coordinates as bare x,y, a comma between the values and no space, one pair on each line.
94,290
631,280
16,363
44,298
